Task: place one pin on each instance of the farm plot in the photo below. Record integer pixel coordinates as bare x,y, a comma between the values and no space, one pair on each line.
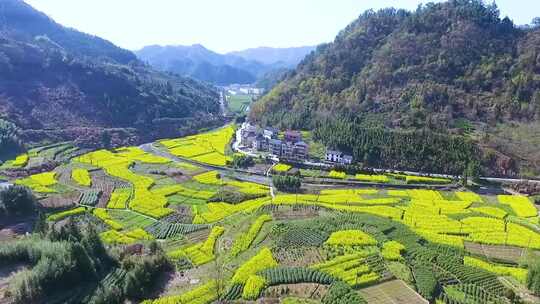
131,220
453,240
496,252
392,292
90,197
145,201
238,103
164,230
60,201
41,182
208,148
200,253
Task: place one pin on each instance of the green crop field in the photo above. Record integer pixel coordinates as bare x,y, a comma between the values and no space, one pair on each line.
239,103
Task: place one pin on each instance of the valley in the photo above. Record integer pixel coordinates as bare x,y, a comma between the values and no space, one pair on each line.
237,234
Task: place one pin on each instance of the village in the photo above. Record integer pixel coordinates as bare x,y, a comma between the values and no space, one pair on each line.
287,146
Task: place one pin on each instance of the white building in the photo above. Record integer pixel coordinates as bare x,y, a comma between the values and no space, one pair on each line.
336,156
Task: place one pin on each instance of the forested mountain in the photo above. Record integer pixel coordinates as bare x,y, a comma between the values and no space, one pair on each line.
59,84
455,67
198,62
25,23
287,57
243,67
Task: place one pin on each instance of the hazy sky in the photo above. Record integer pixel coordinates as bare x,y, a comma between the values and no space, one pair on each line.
226,25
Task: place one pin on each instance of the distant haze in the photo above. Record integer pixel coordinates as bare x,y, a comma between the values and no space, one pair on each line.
225,26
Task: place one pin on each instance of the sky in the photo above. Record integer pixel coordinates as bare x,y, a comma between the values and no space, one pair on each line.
228,25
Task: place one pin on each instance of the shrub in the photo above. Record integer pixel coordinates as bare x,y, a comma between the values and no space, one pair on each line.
17,201
241,161
63,262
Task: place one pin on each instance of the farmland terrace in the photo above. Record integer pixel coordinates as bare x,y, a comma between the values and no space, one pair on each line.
231,235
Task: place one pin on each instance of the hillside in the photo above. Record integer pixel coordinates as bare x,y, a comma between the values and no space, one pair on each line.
60,84
451,68
21,20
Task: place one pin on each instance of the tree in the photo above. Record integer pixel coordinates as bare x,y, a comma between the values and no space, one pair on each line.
241,161
536,22
106,140
533,278
289,183
17,201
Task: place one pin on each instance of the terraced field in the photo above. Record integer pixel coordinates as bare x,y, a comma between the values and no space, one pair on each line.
389,244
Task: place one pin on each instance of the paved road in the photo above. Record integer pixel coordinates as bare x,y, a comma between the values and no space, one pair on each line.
236,148
222,104
266,180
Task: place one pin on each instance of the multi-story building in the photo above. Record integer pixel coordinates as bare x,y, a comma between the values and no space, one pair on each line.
274,146
293,136
301,150
291,148
270,133
260,143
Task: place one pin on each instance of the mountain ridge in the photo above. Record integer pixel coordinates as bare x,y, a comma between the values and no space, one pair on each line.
234,67
453,67
288,56
60,84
